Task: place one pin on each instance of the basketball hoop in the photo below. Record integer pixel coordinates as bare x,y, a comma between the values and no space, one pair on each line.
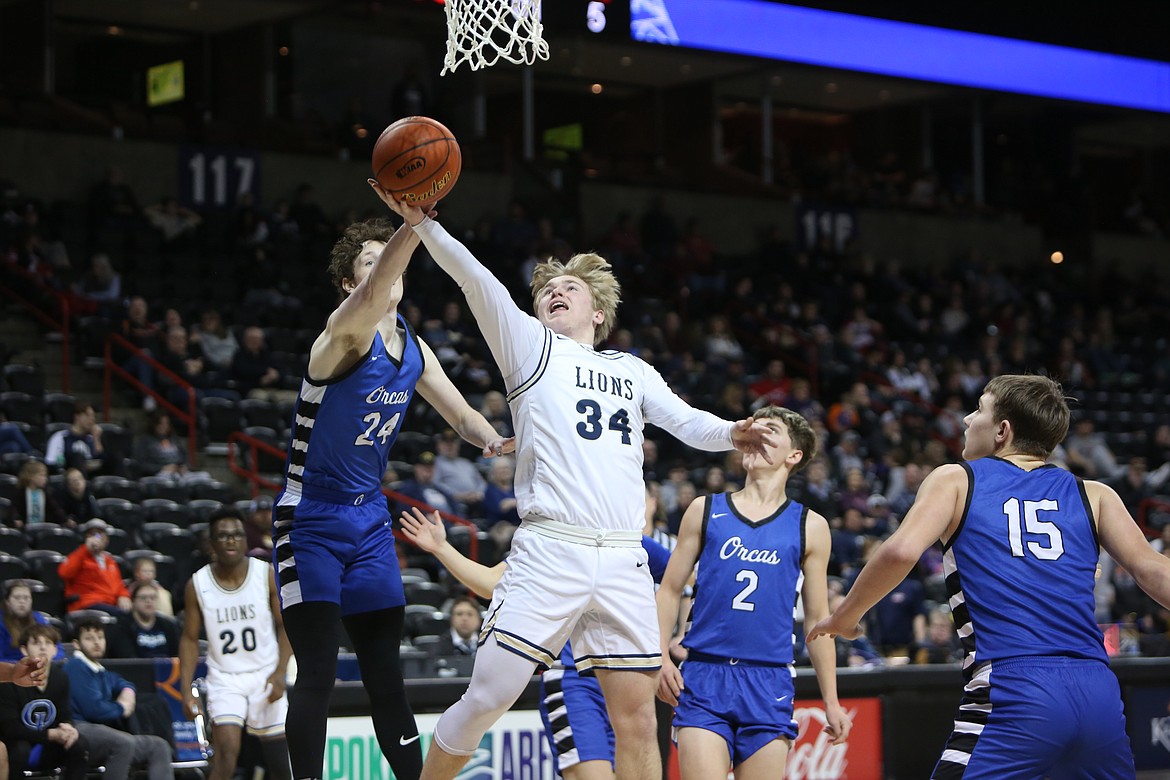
483,32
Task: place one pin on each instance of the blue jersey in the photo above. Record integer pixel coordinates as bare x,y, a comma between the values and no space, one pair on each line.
748,580
344,428
1020,567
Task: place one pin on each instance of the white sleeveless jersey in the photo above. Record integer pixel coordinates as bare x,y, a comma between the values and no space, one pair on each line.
579,414
241,636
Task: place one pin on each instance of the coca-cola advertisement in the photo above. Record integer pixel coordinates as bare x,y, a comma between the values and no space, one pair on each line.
814,757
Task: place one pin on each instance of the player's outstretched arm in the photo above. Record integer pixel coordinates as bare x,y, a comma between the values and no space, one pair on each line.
937,507
822,651
1127,545
430,535
674,580
351,326
513,336
440,392
26,672
189,647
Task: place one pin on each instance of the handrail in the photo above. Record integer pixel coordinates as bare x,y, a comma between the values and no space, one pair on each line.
61,326
112,367
257,480
1143,513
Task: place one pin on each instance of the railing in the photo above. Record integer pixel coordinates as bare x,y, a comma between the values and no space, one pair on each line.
239,442
115,369
60,326
1157,503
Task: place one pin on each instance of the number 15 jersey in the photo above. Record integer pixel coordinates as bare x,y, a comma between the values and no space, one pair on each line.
241,636
1021,566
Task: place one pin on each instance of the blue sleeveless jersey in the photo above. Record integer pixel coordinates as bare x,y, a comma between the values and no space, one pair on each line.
343,429
748,580
1021,566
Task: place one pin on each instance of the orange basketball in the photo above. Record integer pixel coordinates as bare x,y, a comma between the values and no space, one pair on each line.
417,160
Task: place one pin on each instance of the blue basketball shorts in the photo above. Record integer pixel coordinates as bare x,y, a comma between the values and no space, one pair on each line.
749,706
1038,717
575,719
338,553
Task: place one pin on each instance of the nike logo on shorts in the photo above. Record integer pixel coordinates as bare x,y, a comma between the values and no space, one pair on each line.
404,741
781,698
639,565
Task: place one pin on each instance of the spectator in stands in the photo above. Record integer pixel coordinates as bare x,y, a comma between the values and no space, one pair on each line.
463,638
848,543
139,329
177,225
499,503
17,617
100,290
215,340
941,645
103,703
422,487
258,527
75,498
12,438
37,722
161,452
1132,485
456,475
113,208
91,576
820,491
1088,452
80,445
145,572
34,504
256,371
899,619
143,633
772,388
495,410
685,494
186,362
847,454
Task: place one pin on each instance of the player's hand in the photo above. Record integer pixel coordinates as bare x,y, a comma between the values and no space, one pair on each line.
276,686
835,626
670,682
28,671
190,705
753,438
427,532
411,214
499,447
839,724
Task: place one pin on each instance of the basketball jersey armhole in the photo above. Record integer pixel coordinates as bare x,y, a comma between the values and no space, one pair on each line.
1089,512
707,501
966,505
538,372
803,534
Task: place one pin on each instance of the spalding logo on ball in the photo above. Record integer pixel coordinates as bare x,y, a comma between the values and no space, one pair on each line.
417,160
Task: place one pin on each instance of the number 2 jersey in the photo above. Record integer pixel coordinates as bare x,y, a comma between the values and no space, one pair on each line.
578,412
343,428
749,577
1021,566
241,635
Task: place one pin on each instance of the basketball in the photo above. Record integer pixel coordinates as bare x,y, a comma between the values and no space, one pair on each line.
417,160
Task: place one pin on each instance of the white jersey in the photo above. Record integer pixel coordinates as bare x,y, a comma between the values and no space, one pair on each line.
241,635
579,414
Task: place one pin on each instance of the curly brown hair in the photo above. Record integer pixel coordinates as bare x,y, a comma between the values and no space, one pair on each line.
345,252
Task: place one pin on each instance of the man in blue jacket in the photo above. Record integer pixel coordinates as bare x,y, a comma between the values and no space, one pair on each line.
102,701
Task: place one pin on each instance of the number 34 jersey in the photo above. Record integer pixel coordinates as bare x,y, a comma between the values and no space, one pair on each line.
241,636
1021,566
748,579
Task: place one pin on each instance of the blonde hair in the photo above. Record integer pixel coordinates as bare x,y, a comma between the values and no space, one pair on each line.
597,274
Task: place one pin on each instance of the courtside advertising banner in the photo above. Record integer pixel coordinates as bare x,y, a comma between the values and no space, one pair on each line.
514,749
814,757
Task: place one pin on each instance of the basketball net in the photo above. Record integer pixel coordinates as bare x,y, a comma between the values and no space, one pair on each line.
483,32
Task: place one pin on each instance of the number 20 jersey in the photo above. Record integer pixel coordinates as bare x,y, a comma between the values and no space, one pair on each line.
748,579
1021,566
241,636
